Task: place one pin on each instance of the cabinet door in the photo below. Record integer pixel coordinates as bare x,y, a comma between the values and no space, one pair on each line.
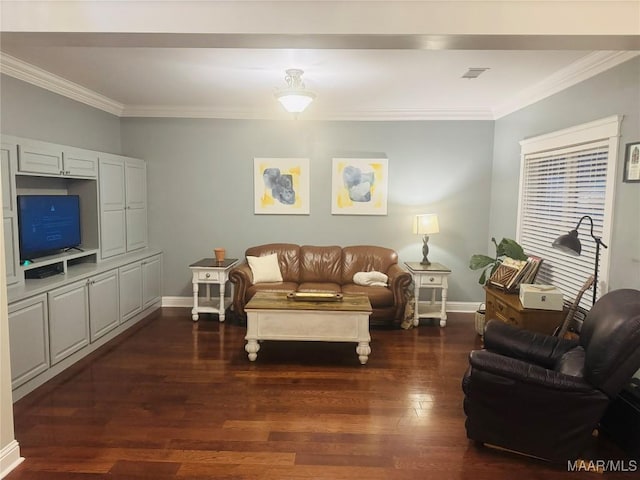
8,156
10,250
8,161
130,291
40,158
136,183
151,280
136,228
80,163
28,339
68,320
112,196
113,236
104,309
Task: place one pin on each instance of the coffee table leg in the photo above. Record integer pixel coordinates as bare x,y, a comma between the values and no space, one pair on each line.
363,350
252,347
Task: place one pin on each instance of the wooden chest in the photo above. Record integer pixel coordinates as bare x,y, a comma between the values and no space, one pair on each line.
507,308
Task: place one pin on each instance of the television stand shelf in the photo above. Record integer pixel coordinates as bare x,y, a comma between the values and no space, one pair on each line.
60,262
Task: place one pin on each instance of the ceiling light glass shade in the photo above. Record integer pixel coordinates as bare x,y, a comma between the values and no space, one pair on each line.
295,98
295,101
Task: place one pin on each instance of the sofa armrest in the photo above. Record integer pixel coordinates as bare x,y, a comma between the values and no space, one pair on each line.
399,281
544,350
242,279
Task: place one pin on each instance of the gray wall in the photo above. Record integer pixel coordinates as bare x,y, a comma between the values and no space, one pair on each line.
616,91
200,188
201,174
32,112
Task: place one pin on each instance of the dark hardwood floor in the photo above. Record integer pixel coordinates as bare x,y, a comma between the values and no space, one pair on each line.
178,399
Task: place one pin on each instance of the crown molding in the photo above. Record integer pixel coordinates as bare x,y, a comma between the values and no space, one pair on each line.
41,78
160,111
583,69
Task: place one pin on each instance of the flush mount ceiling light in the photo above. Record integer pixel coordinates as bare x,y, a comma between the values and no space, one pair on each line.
295,98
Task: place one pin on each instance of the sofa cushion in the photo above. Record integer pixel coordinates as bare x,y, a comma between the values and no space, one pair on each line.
319,287
265,269
320,264
288,258
378,296
365,258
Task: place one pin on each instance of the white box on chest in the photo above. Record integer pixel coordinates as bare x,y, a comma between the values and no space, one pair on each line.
542,297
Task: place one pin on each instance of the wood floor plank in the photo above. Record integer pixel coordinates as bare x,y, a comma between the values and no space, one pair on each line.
179,400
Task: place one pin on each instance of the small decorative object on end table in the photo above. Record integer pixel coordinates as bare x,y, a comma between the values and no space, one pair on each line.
433,276
210,271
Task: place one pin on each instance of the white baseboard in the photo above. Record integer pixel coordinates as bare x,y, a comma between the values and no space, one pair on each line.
177,301
187,302
10,458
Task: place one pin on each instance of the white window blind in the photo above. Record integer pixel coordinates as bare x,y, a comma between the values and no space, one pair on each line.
559,184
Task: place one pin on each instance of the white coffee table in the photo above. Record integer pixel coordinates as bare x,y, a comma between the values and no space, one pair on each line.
272,316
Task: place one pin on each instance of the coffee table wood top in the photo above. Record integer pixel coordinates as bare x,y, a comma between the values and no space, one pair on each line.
279,301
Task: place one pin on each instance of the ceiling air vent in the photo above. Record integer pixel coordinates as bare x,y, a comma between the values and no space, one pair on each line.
474,72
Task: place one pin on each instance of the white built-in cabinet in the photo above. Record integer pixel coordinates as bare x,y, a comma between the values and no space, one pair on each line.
123,204
130,290
29,339
104,304
68,320
140,286
113,282
56,160
8,162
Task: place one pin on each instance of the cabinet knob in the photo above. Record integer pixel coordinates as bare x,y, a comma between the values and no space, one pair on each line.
208,275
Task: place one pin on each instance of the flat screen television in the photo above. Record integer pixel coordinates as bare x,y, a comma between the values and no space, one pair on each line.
47,224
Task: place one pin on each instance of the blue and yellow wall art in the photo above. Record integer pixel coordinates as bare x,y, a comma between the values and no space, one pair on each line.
281,186
359,186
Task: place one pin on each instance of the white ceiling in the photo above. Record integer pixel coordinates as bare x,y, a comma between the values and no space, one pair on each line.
226,74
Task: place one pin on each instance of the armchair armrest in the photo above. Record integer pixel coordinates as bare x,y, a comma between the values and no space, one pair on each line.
399,281
521,371
242,278
544,350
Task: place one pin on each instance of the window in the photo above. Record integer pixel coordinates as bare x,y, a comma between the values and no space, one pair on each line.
565,175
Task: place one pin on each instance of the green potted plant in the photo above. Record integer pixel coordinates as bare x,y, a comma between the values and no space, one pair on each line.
506,248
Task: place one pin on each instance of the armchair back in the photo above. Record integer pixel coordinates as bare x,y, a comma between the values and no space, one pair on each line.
610,337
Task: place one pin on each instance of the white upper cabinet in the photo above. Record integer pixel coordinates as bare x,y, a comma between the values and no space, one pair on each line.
123,204
56,160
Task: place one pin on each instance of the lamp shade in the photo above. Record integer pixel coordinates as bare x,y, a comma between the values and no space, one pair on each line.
426,224
569,243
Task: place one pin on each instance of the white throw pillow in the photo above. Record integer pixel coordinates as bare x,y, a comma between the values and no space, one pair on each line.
370,279
265,269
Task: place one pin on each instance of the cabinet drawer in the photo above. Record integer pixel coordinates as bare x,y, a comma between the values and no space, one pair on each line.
430,280
205,276
510,319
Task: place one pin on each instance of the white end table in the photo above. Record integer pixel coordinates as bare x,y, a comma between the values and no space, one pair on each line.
209,271
433,276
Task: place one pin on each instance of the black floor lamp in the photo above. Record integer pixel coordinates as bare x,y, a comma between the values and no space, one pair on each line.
570,243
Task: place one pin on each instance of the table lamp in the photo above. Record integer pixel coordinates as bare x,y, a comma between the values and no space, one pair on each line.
570,243
425,225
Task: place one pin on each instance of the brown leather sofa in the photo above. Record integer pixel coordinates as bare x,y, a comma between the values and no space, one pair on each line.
328,269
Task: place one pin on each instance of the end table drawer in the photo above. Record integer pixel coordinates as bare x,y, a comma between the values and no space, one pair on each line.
429,280
208,276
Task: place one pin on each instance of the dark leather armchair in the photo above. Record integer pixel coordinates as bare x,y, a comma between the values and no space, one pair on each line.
543,395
